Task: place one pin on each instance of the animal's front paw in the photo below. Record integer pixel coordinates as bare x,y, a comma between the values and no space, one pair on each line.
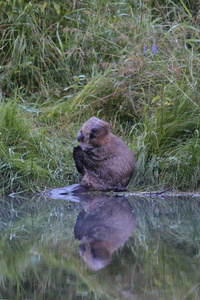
78,159
77,152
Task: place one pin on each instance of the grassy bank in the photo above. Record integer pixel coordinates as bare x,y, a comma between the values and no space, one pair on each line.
133,63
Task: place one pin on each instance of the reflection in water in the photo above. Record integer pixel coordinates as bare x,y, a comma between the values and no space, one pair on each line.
39,255
104,224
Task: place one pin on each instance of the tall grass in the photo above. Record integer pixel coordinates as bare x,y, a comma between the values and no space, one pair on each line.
29,157
132,63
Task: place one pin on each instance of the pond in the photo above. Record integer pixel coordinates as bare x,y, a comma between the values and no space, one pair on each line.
99,247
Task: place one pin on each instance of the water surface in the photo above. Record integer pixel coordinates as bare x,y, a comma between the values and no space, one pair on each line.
99,247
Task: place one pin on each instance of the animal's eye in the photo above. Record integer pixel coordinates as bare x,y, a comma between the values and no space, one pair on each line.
95,252
92,135
94,130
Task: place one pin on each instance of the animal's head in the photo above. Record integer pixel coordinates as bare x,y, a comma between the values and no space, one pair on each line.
95,253
93,133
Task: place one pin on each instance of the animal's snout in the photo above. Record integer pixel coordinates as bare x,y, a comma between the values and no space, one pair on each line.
80,137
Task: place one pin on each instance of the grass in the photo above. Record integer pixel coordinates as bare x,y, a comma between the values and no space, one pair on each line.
64,62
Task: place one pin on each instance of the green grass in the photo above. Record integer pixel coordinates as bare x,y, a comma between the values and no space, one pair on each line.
64,62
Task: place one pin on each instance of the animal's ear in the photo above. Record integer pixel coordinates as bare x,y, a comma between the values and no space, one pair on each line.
106,126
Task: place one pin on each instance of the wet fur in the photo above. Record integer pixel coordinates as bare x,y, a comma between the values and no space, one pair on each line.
102,158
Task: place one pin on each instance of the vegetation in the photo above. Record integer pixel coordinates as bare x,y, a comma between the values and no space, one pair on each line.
135,64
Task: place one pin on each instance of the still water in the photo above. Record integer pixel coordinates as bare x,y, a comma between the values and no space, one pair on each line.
99,247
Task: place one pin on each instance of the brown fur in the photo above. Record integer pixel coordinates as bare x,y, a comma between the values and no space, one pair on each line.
102,158
104,224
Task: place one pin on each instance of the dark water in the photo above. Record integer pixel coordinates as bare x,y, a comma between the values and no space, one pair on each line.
99,247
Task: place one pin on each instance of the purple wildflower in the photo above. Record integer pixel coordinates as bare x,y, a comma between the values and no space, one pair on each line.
154,49
145,50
